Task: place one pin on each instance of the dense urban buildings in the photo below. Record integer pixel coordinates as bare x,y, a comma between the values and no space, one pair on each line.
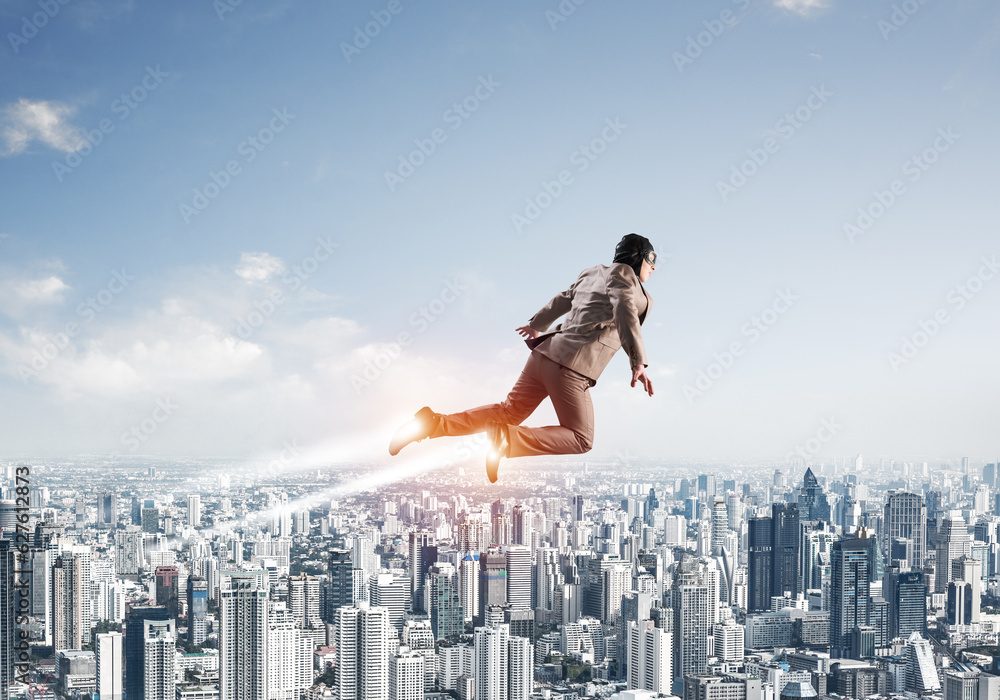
578,580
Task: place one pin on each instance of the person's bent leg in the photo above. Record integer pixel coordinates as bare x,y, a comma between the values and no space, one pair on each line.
523,399
570,394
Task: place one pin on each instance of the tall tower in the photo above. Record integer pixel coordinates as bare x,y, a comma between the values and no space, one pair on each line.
906,518
166,588
7,617
953,542
135,648
110,659
491,662
447,619
518,576
650,653
849,593
160,647
760,561
422,554
197,607
362,653
520,668
492,581
67,603
194,511
243,636
785,549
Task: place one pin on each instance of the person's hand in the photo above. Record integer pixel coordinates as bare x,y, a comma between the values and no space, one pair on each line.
639,375
527,332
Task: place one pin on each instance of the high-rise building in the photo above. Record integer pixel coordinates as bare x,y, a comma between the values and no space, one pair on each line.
447,618
289,655
650,657
921,673
518,559
964,591
129,551
363,634
492,582
135,649
785,549
392,593
107,509
520,668
692,624
109,654
491,662
953,542
813,504
406,675
243,622
197,608
849,593
67,603
194,510
906,593
720,525
468,585
760,560
906,518
166,588
303,601
159,640
341,588
7,616
422,553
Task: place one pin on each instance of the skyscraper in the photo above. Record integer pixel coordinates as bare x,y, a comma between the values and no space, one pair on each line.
107,509
303,601
67,603
197,609
813,504
166,588
492,581
393,594
194,510
422,554
759,564
243,636
110,659
406,676
518,576
520,668
650,654
491,662
906,517
906,593
849,593
447,619
953,542
785,549
289,655
7,617
362,653
159,665
135,648
340,587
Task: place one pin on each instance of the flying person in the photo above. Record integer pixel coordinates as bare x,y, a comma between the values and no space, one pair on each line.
604,310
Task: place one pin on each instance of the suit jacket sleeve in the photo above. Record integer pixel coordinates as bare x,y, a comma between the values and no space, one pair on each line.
557,306
622,288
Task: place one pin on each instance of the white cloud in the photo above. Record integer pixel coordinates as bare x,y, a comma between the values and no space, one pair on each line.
27,120
42,291
802,7
259,267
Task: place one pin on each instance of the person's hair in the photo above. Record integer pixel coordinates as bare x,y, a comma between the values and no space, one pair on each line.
631,250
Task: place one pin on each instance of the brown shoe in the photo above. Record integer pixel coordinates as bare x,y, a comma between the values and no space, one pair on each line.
499,448
424,423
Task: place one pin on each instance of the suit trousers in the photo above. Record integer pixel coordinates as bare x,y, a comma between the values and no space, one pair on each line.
541,377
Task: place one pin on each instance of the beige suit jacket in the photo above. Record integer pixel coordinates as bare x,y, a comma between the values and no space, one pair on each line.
605,308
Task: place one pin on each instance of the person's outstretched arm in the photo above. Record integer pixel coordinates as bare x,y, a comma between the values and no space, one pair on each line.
621,292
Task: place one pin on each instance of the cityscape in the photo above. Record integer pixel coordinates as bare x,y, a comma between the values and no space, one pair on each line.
177,579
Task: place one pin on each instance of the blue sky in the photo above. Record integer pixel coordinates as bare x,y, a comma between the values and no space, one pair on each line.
249,161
